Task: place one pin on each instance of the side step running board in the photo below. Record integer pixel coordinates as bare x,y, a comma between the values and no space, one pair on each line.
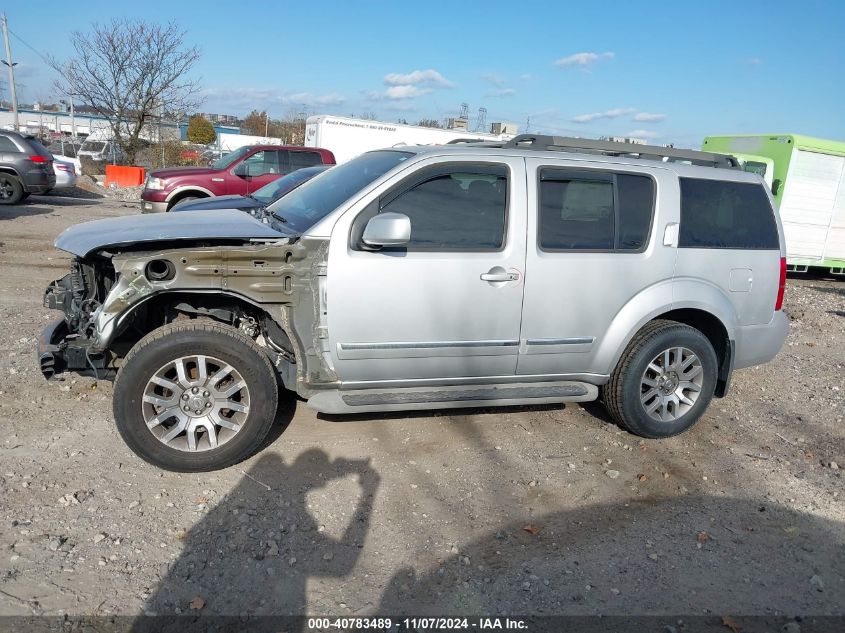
451,397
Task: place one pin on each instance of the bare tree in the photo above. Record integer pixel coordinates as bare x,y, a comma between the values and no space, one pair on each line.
130,71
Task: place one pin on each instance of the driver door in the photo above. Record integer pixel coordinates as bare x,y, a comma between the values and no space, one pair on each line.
448,303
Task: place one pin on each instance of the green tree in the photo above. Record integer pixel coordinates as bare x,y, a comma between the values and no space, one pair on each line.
200,130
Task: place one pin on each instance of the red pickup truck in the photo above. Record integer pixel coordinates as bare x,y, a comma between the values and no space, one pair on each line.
238,173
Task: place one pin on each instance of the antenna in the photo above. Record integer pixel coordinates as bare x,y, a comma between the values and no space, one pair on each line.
464,111
481,121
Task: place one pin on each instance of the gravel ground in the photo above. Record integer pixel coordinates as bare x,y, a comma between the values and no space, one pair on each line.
486,511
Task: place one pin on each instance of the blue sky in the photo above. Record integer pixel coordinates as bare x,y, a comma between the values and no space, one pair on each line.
668,71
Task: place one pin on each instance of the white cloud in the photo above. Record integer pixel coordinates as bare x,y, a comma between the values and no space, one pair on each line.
428,77
754,61
266,98
525,77
332,98
607,114
405,92
500,92
582,60
649,117
493,78
642,134
396,93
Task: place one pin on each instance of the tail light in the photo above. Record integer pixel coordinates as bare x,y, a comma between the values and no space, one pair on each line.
782,284
62,167
37,158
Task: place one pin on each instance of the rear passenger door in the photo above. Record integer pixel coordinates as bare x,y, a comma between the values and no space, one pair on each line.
591,248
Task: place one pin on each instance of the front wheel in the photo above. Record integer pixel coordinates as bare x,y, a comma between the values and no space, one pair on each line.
184,200
195,397
664,381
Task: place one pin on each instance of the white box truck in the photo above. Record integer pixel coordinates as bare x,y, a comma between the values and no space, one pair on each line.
807,177
346,137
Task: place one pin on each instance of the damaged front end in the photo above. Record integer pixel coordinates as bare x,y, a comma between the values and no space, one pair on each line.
70,342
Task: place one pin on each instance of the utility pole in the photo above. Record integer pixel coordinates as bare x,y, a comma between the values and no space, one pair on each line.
266,123
11,65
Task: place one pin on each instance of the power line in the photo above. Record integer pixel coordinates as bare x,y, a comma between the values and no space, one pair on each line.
32,48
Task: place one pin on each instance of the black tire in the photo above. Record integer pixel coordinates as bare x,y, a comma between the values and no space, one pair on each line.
622,395
11,189
25,195
170,342
181,200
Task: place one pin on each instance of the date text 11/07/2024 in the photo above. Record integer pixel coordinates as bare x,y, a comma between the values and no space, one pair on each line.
416,624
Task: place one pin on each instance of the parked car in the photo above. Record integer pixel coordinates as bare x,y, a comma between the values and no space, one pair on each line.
258,200
65,174
102,150
539,270
241,172
26,167
61,147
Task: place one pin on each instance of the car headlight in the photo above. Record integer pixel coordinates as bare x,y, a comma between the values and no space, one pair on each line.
154,183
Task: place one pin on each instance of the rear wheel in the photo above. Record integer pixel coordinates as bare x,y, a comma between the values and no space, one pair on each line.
195,397
11,190
664,381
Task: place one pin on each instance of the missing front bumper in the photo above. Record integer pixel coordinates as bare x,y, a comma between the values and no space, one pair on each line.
58,352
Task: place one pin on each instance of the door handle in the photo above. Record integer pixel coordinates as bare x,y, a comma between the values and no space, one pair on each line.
499,276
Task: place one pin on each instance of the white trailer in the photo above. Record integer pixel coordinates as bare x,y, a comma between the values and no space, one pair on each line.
347,137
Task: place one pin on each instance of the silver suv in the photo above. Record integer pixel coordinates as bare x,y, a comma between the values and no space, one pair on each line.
541,270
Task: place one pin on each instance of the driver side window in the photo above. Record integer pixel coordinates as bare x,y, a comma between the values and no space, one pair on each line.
461,208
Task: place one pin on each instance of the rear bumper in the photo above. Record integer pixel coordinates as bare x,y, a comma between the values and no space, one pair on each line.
38,181
758,344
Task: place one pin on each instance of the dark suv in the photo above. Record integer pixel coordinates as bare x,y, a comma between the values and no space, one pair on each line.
241,173
25,167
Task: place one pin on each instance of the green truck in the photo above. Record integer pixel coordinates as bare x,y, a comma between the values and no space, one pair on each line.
807,178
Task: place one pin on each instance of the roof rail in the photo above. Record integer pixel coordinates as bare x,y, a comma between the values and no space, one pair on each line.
541,142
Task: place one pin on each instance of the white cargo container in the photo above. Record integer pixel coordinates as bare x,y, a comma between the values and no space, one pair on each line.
347,137
807,177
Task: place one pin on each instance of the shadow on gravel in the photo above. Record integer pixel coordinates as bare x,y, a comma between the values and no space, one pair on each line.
65,201
693,555
22,210
254,553
689,555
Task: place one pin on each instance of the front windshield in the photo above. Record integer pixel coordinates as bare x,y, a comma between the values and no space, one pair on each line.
311,202
228,159
279,187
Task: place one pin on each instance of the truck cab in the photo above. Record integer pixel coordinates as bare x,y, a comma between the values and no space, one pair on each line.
240,172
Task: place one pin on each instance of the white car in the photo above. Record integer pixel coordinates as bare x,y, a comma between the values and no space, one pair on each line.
65,173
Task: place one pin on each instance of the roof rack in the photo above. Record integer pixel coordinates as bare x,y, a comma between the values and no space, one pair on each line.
540,142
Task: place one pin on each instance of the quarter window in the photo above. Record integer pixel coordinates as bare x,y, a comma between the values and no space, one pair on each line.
720,214
460,209
7,145
298,160
594,211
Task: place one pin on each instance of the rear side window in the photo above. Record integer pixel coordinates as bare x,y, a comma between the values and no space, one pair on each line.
594,211
7,145
298,160
719,214
457,209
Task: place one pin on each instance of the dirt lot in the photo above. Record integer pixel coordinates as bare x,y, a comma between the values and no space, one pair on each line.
424,513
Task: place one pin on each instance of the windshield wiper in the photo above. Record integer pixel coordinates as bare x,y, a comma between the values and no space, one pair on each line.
280,218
